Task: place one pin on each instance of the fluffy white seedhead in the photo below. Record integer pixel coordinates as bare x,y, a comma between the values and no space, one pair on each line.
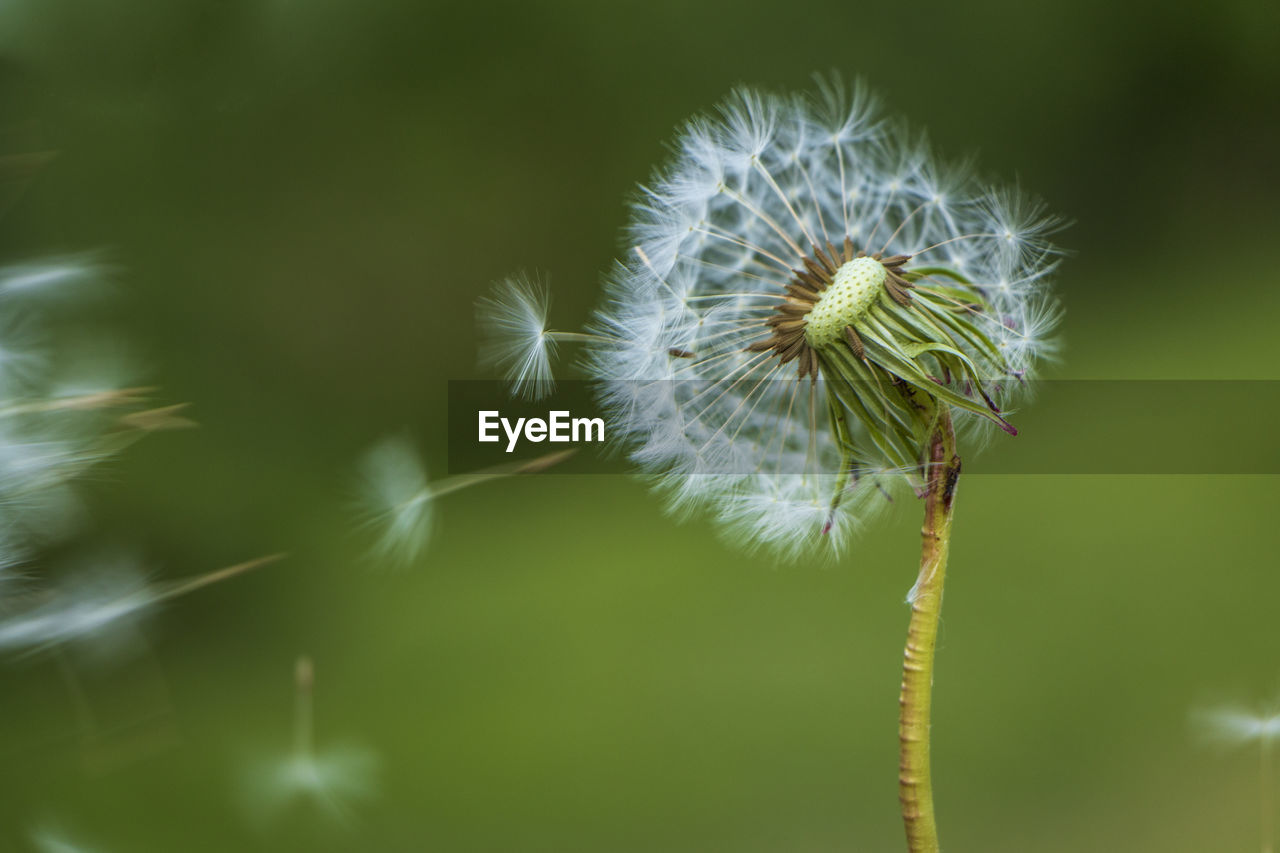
517,340
396,500
773,204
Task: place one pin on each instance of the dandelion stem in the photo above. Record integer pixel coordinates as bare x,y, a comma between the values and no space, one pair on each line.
915,788
496,472
1264,783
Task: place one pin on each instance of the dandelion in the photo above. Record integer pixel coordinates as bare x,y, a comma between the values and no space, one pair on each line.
397,500
809,293
1234,726
331,780
812,306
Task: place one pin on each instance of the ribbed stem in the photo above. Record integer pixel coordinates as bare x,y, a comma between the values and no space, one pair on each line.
915,788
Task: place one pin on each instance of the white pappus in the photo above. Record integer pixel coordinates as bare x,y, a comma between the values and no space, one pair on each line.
807,286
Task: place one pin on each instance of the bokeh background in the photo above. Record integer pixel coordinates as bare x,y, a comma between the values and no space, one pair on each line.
300,202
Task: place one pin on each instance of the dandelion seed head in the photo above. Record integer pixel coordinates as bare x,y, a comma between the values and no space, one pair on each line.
808,284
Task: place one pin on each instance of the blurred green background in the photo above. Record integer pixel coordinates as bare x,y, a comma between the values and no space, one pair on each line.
301,202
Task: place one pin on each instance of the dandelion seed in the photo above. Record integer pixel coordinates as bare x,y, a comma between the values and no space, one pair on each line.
48,276
332,780
397,500
95,601
519,342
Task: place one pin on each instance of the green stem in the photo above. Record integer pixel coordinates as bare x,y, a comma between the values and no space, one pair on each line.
1264,784
915,788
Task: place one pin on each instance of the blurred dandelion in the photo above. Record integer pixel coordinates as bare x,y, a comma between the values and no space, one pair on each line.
57,419
63,411
396,500
332,780
813,304
66,407
1237,726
